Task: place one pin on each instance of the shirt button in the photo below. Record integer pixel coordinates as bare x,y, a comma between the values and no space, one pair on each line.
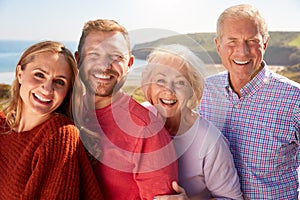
237,106
87,120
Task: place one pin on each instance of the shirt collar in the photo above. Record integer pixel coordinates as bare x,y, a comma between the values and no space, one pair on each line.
258,81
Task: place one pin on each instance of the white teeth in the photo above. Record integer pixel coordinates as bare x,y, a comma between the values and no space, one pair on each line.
102,76
42,99
165,101
241,62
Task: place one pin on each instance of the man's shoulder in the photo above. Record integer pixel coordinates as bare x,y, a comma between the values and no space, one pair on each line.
219,75
137,109
218,78
284,83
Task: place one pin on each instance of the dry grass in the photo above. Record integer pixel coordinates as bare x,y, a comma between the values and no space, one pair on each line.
295,76
135,92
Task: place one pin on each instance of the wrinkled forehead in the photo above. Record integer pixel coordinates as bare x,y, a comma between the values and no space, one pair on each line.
110,42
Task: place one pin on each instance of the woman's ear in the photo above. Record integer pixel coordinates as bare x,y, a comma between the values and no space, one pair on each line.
19,74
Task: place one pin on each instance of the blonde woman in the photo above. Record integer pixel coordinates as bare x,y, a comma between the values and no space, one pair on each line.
173,88
40,150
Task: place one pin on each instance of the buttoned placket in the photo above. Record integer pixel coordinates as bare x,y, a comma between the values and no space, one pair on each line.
235,104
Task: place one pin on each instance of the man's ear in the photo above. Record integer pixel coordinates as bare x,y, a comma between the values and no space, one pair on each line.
217,44
19,74
266,42
131,61
77,58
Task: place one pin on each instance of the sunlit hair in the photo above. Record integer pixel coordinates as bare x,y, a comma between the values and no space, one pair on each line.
102,25
13,108
193,64
243,11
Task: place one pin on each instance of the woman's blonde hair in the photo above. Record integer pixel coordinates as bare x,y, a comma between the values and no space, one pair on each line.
13,108
190,61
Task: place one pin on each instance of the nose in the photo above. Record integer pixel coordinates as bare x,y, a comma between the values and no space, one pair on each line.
243,48
48,87
105,63
170,87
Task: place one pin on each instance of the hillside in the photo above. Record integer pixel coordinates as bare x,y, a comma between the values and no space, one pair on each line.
4,94
283,48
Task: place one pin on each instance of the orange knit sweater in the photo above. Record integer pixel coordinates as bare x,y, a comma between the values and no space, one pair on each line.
48,162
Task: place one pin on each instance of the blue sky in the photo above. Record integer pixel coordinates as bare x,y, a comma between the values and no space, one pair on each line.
63,19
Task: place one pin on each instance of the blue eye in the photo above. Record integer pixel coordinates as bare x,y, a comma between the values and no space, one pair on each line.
117,57
161,82
180,84
59,82
39,75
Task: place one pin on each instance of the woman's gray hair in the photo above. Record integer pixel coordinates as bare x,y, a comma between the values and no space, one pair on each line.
194,65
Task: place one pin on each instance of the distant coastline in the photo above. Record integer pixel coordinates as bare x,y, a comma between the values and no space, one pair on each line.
283,51
11,51
8,77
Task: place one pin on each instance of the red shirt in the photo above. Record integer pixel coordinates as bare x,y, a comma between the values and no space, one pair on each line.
138,158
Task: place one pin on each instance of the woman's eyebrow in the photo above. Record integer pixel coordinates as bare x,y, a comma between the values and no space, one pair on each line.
46,72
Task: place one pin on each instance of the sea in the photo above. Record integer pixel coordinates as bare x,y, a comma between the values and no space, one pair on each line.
11,51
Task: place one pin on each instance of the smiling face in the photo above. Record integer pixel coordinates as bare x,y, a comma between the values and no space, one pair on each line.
169,90
44,84
105,61
241,49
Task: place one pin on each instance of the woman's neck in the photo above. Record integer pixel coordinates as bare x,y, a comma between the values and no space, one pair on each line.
28,123
181,123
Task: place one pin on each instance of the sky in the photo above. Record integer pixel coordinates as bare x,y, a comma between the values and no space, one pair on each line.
63,19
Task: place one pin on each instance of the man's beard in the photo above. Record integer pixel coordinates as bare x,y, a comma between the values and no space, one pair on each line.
104,89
